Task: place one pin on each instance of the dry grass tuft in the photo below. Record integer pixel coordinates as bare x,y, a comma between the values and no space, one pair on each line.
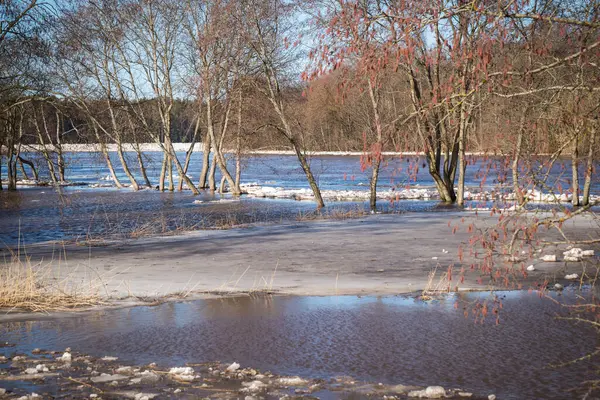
436,285
333,213
25,286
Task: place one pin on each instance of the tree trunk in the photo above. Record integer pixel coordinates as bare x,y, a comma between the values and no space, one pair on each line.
12,166
140,160
110,166
373,185
238,146
45,153
222,185
205,161
378,149
182,175
170,174
22,168
188,154
218,154
60,161
589,169
134,183
31,165
163,172
574,171
462,162
515,165
212,186
309,175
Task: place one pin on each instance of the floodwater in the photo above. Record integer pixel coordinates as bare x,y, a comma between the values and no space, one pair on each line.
331,172
393,340
33,215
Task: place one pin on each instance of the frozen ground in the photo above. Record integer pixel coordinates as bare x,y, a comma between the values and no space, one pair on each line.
379,254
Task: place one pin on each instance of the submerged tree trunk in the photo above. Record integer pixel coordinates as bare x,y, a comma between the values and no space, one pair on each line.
31,165
134,183
222,185
140,160
12,166
60,161
462,162
589,169
377,149
173,159
170,174
110,166
238,147
309,175
212,186
44,150
205,161
217,145
188,154
163,172
575,171
373,185
22,168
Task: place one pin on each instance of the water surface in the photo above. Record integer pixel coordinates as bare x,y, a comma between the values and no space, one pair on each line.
394,340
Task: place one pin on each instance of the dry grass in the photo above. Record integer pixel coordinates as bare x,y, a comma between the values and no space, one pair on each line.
37,287
436,285
333,213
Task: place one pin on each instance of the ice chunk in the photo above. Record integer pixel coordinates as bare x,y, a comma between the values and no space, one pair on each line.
292,381
254,386
431,392
233,367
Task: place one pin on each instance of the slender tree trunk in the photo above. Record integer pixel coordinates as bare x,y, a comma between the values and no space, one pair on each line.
140,160
218,154
373,185
222,185
31,165
188,154
309,175
462,162
60,161
575,171
205,161
44,150
134,183
110,166
589,169
515,164
182,175
212,186
12,166
238,146
170,174
22,169
163,172
378,149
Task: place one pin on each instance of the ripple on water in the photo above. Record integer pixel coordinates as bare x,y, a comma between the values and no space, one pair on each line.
389,339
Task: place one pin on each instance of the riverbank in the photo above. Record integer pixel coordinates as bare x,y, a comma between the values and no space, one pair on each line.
371,255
